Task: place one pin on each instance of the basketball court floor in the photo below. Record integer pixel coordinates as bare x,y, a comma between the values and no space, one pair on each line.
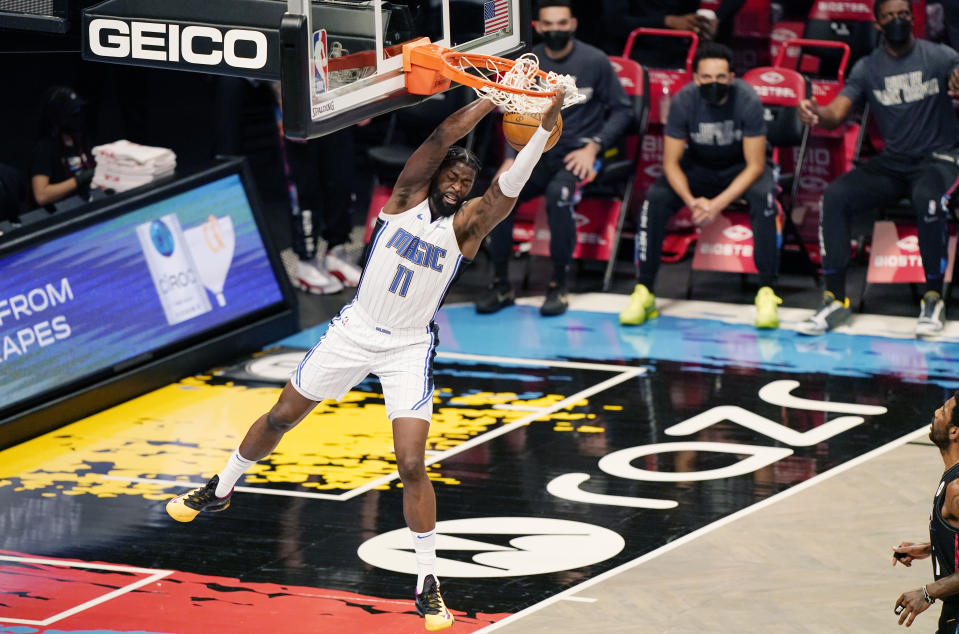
689,475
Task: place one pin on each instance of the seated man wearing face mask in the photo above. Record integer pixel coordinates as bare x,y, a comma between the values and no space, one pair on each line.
907,84
714,153
588,128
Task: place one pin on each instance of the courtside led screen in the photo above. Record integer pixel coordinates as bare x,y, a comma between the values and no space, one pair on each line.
89,302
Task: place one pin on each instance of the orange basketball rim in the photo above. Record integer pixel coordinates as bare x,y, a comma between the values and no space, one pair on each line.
430,69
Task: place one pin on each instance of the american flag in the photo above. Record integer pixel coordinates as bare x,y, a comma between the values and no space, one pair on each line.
495,16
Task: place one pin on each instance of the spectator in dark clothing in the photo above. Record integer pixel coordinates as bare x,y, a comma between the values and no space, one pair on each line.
792,10
907,84
319,174
322,171
62,164
950,9
11,193
589,24
622,17
714,152
588,128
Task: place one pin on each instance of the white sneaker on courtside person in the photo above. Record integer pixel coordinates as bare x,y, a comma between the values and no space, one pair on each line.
932,315
312,277
338,263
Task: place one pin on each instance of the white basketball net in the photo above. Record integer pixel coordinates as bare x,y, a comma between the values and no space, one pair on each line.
523,75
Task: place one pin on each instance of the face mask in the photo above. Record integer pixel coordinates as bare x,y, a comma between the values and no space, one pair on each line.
714,92
556,40
897,31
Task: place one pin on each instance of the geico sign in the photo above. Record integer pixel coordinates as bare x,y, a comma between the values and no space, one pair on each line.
171,43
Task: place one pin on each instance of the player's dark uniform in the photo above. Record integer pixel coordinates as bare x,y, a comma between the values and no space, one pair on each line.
945,552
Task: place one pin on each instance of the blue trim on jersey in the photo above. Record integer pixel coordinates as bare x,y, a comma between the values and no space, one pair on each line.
427,375
369,255
456,270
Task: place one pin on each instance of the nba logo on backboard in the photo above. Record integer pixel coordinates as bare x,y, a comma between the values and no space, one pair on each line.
320,62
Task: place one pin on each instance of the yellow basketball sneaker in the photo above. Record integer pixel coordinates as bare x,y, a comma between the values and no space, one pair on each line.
183,508
429,605
642,306
766,303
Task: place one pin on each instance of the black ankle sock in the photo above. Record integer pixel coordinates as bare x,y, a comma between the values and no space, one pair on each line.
934,284
836,284
559,274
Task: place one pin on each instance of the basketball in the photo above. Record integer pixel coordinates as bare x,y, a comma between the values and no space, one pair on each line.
518,128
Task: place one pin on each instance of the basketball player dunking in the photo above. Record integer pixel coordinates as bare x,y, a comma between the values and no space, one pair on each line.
424,235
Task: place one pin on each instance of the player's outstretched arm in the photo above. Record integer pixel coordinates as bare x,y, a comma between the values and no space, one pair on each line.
477,217
413,183
907,552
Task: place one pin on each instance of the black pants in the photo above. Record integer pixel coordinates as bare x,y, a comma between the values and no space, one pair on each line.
886,179
951,10
11,193
662,202
948,623
561,187
322,170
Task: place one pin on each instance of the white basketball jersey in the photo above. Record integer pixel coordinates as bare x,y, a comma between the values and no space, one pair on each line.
411,264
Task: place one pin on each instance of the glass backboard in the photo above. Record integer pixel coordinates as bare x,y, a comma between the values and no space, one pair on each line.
353,66
338,62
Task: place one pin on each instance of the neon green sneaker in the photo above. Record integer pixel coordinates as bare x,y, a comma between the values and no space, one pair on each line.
642,306
766,303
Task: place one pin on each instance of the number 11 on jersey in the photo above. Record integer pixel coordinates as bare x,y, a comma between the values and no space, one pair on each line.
401,280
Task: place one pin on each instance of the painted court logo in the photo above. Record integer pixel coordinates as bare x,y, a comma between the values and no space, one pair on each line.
275,367
498,547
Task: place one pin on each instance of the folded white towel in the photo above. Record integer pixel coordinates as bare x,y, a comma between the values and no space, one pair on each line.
131,164
125,150
120,183
134,170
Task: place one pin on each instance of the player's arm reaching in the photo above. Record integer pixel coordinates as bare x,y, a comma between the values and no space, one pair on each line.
412,185
911,604
477,217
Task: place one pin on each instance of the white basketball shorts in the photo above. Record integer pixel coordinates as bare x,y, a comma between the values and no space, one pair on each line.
354,347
